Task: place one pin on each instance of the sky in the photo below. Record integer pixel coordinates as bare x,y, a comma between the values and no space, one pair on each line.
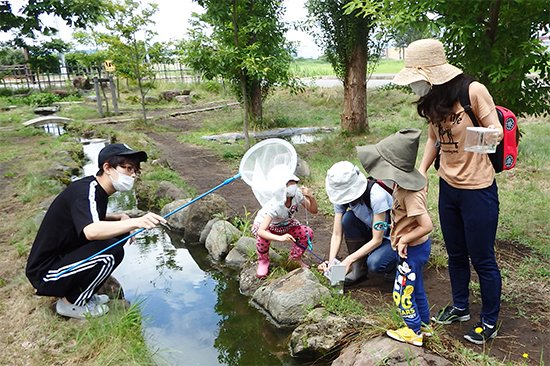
172,21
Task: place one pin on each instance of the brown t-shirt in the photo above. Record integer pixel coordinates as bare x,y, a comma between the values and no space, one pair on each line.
406,206
459,168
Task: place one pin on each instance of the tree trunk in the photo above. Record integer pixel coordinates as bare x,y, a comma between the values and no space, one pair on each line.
255,105
242,78
354,118
246,108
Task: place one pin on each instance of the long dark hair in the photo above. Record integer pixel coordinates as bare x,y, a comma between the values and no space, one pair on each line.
437,105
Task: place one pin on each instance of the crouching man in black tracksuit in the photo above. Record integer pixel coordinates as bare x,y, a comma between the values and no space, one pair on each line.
77,226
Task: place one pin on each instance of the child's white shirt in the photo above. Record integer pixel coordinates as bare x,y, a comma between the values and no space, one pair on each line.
279,213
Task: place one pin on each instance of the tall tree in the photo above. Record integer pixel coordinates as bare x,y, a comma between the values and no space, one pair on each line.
344,37
496,41
128,41
241,41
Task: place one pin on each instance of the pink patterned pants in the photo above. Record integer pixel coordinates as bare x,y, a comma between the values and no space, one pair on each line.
294,228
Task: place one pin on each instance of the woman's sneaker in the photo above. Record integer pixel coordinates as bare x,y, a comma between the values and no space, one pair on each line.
406,335
450,314
90,309
481,333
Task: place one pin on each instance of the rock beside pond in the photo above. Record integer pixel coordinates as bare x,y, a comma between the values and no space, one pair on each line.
194,217
112,288
169,190
206,230
248,282
287,299
219,241
243,250
323,334
385,351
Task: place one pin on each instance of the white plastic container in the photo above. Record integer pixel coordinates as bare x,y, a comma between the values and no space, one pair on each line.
481,140
336,275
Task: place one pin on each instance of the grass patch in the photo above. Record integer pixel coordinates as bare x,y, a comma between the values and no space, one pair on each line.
113,339
342,305
311,68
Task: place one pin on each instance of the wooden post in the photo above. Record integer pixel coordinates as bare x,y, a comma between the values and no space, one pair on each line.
98,97
113,95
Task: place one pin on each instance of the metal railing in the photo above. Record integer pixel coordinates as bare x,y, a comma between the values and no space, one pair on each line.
22,77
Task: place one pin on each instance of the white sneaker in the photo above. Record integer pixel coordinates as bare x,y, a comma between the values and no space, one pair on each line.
100,299
91,309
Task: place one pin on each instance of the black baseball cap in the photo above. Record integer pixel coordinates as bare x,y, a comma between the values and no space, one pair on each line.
119,150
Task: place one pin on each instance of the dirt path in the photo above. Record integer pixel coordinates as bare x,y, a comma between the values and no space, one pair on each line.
203,170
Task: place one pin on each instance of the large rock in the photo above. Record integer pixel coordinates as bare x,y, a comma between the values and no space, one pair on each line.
385,351
243,250
222,235
206,230
286,300
302,168
194,217
322,334
248,282
170,190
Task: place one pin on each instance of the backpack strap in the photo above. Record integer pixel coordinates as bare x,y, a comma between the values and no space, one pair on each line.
464,98
366,198
366,195
370,182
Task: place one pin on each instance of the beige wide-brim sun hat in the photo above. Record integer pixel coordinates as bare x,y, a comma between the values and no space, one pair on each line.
393,158
425,60
344,183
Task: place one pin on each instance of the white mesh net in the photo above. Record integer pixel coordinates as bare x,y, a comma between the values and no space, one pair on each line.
266,165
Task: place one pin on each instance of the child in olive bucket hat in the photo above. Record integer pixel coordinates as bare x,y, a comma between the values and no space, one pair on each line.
393,158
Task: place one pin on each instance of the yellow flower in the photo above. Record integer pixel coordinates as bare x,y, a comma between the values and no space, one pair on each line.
525,355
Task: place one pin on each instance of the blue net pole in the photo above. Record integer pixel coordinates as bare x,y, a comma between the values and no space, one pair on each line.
225,182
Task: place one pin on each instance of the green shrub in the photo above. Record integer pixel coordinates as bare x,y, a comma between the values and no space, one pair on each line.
6,92
41,99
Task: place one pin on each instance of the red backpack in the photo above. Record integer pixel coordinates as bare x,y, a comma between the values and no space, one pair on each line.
504,158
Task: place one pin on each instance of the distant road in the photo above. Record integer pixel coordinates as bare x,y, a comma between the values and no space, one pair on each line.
375,81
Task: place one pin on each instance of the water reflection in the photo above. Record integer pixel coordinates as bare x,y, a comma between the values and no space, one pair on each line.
194,312
53,129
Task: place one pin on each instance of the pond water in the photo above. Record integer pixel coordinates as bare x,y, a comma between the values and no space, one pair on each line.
193,311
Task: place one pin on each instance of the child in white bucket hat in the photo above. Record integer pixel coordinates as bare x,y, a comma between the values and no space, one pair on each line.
468,194
275,220
356,208
393,158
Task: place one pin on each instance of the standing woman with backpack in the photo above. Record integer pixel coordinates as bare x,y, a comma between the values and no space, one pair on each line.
468,194
358,204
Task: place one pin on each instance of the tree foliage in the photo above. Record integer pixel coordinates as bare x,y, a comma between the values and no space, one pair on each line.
9,56
243,42
25,22
44,57
128,41
337,33
496,41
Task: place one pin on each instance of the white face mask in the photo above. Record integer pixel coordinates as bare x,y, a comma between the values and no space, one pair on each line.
291,190
420,88
124,183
